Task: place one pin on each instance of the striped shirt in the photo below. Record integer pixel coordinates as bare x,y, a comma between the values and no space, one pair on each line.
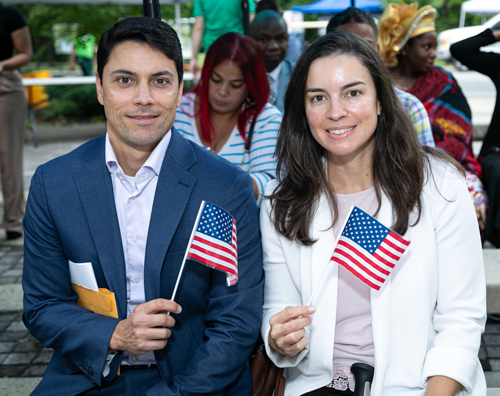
260,161
418,116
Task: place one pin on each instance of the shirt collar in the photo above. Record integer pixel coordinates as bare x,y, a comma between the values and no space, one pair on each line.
276,72
154,161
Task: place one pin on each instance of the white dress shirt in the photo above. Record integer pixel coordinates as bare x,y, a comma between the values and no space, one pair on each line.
134,196
275,75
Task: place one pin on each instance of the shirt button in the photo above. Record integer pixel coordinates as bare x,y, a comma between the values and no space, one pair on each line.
134,239
134,358
134,197
118,171
137,280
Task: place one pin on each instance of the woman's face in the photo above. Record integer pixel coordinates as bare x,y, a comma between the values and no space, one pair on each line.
342,108
227,88
420,53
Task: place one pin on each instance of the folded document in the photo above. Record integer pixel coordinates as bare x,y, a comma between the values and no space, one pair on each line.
98,300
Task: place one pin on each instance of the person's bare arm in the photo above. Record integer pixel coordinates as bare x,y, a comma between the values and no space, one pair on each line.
72,59
496,34
22,44
196,36
442,386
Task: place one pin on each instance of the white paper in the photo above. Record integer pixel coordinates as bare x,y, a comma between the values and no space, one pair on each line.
83,274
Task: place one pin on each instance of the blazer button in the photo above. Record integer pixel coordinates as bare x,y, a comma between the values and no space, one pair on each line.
89,371
84,368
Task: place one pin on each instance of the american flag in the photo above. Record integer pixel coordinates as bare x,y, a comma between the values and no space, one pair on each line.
368,249
214,242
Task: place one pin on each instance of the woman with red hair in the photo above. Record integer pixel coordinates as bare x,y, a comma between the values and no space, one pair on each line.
227,111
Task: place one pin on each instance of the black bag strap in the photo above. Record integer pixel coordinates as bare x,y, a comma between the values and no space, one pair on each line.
248,143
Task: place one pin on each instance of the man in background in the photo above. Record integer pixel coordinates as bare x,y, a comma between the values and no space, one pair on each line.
270,31
83,52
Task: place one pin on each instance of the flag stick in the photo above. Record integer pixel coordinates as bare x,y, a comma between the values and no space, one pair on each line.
187,249
328,264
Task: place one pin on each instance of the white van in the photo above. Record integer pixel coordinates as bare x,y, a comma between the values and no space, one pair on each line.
448,37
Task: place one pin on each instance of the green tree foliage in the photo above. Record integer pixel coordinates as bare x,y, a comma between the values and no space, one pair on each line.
74,102
80,19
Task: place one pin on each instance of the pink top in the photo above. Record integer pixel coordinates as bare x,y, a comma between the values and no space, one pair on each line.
353,329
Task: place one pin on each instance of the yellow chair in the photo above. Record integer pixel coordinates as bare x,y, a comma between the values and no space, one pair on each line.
36,96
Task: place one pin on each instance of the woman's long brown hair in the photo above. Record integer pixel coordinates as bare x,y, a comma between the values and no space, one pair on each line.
398,158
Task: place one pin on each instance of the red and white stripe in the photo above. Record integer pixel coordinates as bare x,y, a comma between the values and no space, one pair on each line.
214,253
370,269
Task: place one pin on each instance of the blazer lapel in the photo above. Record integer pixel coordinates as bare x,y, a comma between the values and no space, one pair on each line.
96,195
283,80
381,313
324,273
173,190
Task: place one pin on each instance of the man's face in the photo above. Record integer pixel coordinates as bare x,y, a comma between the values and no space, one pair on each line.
362,30
272,37
140,92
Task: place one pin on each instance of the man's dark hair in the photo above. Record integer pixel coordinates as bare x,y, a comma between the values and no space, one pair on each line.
143,30
351,14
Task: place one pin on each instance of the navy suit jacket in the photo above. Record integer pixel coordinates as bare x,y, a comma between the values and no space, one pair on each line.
71,215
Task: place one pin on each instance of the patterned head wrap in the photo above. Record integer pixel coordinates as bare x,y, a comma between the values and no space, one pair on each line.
399,23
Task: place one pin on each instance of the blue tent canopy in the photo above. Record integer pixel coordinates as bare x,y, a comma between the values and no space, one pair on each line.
333,6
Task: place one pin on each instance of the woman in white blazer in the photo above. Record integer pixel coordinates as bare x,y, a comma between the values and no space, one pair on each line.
346,140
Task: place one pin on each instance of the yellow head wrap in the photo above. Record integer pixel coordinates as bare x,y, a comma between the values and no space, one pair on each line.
399,23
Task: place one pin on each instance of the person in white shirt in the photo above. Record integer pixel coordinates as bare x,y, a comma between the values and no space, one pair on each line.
346,140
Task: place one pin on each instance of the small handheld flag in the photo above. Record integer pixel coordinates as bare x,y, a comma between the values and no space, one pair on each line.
214,243
368,249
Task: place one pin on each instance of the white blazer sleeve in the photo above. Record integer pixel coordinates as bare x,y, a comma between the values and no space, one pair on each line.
460,312
279,289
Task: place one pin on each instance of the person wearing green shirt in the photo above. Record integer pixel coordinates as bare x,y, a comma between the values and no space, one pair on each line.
213,18
83,53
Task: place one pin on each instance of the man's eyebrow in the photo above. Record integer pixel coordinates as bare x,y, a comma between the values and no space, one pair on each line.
163,73
124,71
219,76
130,73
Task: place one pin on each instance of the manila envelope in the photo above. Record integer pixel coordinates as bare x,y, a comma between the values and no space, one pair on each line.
101,302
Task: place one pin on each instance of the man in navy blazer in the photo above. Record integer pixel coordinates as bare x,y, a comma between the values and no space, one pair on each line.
269,30
127,203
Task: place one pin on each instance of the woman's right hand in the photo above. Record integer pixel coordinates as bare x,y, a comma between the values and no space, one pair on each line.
288,330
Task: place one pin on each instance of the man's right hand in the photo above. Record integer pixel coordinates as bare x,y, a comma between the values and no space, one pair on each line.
146,329
288,330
